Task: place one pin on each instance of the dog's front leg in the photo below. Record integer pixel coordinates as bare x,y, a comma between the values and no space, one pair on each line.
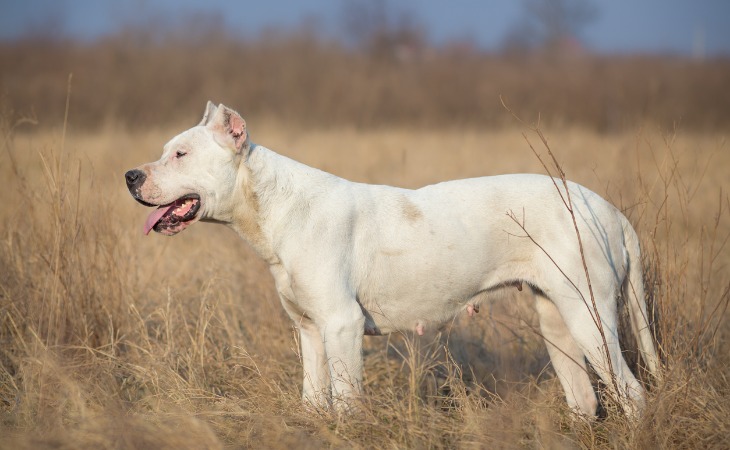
343,333
316,386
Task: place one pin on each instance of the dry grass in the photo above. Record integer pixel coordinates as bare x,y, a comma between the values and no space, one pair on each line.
110,339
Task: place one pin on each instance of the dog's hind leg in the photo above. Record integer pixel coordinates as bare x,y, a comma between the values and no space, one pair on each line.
580,319
567,358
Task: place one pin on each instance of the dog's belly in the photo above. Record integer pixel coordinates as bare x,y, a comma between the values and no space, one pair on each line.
416,298
389,315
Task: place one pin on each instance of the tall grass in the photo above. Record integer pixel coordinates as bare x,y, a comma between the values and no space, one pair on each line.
112,340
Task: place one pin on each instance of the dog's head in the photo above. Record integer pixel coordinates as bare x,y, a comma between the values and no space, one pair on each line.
196,175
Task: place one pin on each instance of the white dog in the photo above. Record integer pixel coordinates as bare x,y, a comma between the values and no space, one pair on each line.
350,259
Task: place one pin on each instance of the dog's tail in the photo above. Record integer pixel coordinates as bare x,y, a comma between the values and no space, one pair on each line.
635,299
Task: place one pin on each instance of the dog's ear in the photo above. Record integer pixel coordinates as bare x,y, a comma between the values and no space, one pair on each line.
208,114
229,128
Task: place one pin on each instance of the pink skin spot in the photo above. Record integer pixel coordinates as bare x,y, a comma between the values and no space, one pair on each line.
471,309
419,328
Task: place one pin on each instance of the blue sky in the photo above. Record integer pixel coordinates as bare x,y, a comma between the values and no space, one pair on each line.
665,26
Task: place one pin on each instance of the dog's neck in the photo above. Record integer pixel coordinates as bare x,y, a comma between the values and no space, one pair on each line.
273,192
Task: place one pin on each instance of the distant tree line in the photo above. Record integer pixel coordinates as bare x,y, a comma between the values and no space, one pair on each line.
384,74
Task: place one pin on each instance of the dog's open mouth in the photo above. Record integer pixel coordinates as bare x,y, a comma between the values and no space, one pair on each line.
174,217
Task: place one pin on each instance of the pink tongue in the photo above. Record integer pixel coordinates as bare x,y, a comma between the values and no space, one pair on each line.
155,216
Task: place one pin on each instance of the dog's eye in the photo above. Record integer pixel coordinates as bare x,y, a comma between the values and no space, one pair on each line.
180,153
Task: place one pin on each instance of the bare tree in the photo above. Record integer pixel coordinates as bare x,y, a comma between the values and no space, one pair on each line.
376,28
548,24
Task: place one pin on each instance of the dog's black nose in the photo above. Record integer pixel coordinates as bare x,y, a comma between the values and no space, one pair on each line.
134,178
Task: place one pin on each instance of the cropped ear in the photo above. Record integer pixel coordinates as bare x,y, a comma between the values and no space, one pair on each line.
230,128
208,114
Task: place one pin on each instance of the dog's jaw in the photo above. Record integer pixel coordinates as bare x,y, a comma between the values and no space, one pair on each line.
174,217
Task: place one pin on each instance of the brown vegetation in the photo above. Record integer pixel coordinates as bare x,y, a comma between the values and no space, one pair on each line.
144,80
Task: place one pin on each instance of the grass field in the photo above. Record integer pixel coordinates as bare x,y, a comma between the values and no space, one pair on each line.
110,339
